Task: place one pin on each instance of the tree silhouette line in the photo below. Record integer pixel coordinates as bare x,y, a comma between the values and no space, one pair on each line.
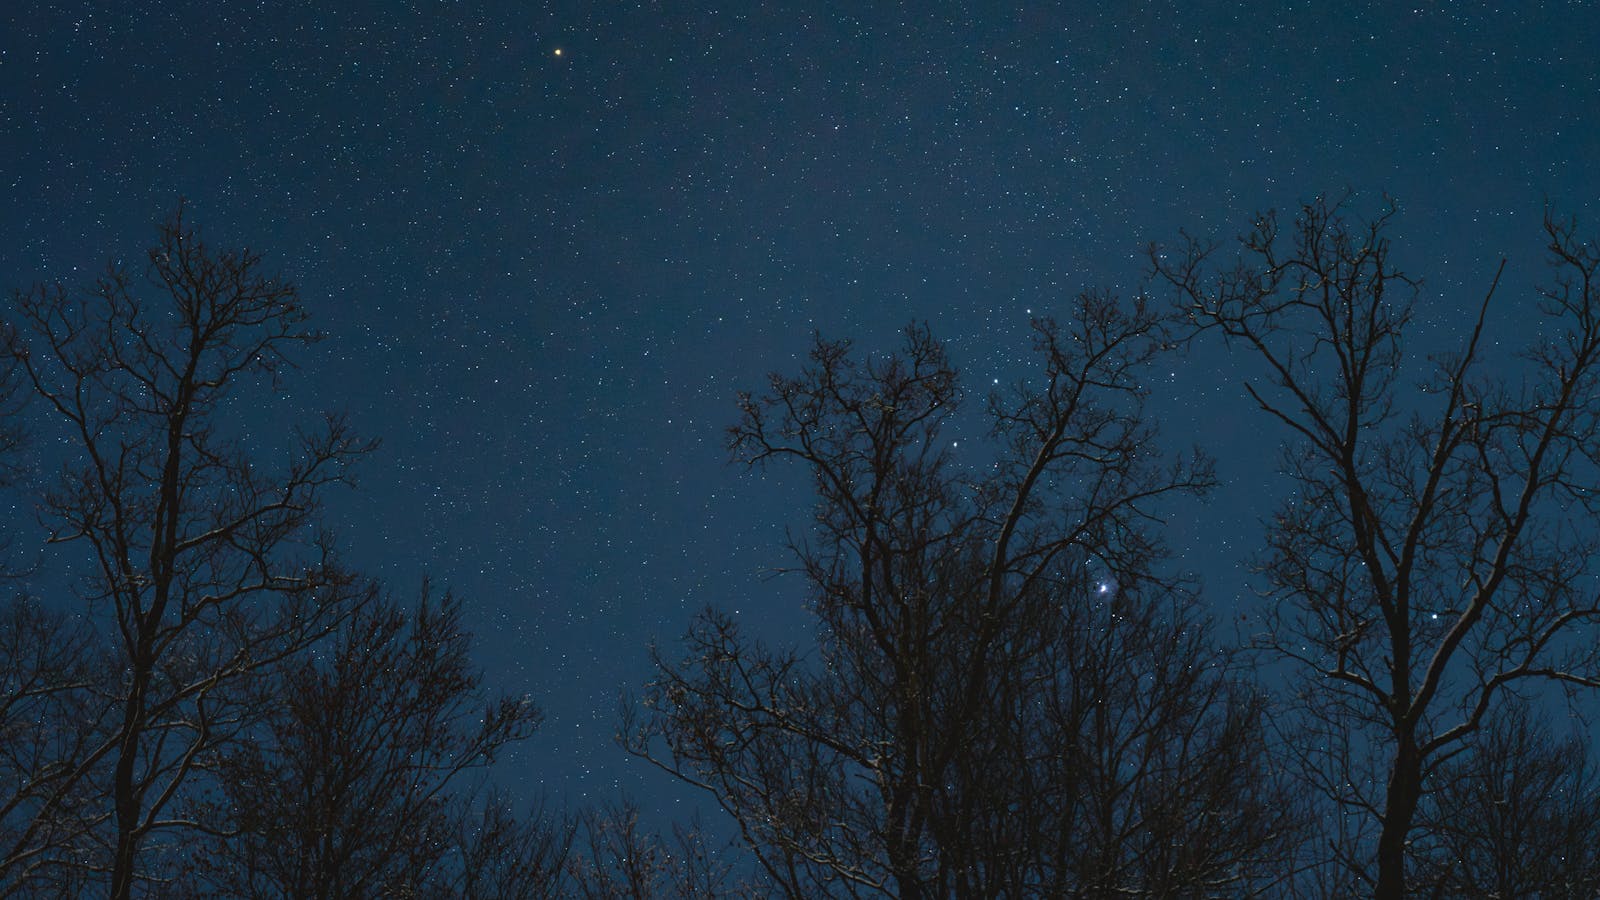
1013,691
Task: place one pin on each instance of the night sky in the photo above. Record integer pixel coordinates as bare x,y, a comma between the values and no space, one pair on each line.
550,241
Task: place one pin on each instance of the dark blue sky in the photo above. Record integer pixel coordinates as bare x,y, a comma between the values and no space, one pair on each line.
544,276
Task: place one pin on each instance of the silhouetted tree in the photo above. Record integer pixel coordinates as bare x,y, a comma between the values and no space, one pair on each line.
52,714
204,566
353,786
52,687
1516,814
1007,698
619,859
1426,562
506,856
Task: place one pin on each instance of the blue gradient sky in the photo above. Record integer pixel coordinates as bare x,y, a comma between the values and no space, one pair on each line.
544,276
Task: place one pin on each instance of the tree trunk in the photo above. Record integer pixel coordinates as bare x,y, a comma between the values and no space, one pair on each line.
125,793
902,849
1400,807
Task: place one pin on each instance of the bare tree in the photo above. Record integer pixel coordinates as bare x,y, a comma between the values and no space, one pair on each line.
1426,563
353,787
1007,698
1517,814
619,859
507,856
205,567
1132,758
52,687
51,714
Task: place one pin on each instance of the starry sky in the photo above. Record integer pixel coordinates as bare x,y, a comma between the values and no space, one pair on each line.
550,241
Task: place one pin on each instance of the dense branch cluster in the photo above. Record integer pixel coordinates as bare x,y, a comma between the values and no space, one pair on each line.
1008,695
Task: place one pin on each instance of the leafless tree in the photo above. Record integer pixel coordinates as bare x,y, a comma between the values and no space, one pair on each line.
504,855
619,859
1159,783
354,786
51,714
1427,561
1007,698
204,566
1515,815
52,684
